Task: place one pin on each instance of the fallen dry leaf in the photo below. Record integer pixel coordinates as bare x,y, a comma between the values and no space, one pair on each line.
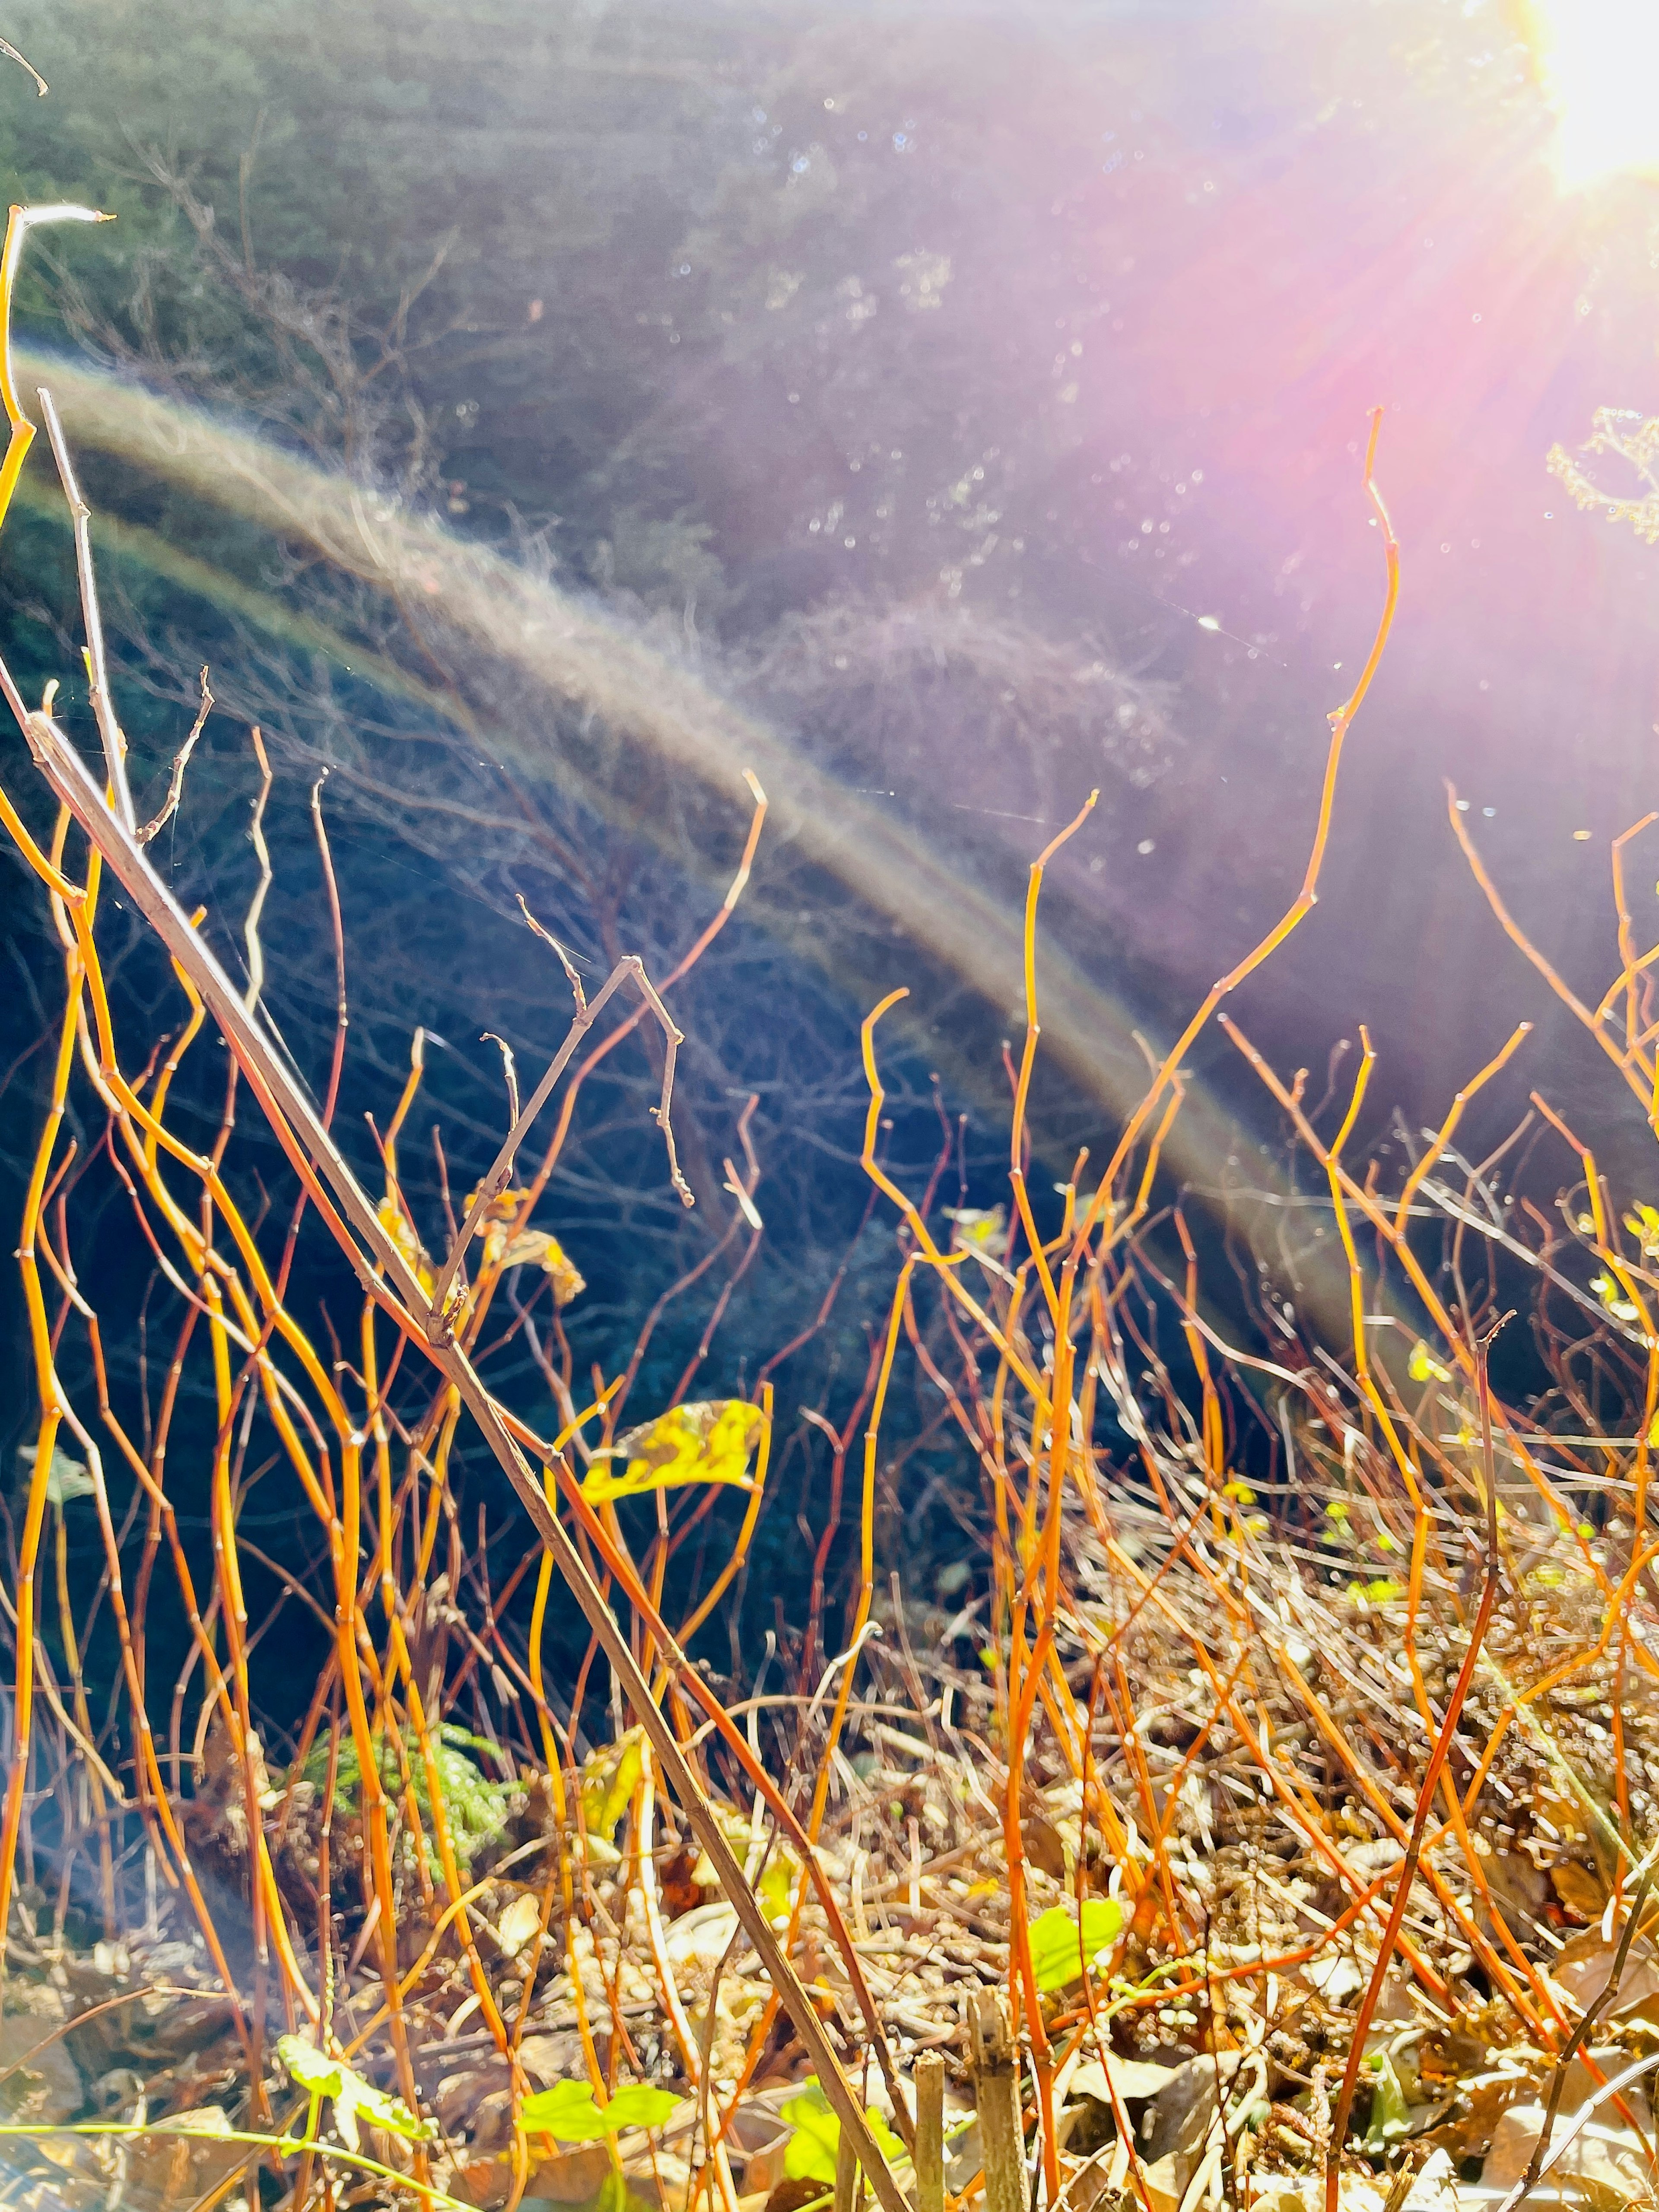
1579,1888
1604,2162
518,1924
1133,2078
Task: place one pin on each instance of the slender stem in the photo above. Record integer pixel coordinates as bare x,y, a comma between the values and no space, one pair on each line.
110,732
1426,1794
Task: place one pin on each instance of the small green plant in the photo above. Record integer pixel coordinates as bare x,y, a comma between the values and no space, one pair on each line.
1061,1946
476,1808
568,2110
1391,2118
320,2076
812,2150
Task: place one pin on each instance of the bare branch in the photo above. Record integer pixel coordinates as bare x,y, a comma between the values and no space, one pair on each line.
23,63
509,1069
279,1091
180,762
565,961
631,969
109,730
256,959
675,1038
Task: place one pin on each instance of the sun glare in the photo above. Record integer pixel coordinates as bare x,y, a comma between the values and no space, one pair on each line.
1599,60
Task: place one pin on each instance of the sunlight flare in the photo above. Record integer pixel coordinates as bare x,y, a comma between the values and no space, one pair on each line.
1599,62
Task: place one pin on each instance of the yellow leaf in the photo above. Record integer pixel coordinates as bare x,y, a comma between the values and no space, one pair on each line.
1422,1365
708,1442
534,1248
609,1780
980,1228
502,1207
775,1883
1612,1297
1579,1889
399,1228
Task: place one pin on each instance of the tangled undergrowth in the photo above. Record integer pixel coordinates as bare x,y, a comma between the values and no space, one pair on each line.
1262,1816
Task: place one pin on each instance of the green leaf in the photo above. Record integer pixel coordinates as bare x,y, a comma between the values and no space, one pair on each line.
637,2105
1060,1949
313,2070
309,2067
566,2111
1391,2115
570,2111
477,1808
66,1478
810,2153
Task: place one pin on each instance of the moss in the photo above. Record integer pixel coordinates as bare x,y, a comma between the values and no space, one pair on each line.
476,1808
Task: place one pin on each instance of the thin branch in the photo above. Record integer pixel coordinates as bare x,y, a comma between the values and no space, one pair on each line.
23,63
109,730
1430,1783
509,1069
632,968
256,959
565,961
1581,2118
180,762
1577,2040
342,1010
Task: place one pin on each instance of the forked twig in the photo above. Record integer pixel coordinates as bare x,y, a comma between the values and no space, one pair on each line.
1341,720
180,762
1577,2124
565,961
1574,2043
631,969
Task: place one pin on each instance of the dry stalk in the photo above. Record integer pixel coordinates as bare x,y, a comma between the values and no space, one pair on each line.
930,2132
994,2066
